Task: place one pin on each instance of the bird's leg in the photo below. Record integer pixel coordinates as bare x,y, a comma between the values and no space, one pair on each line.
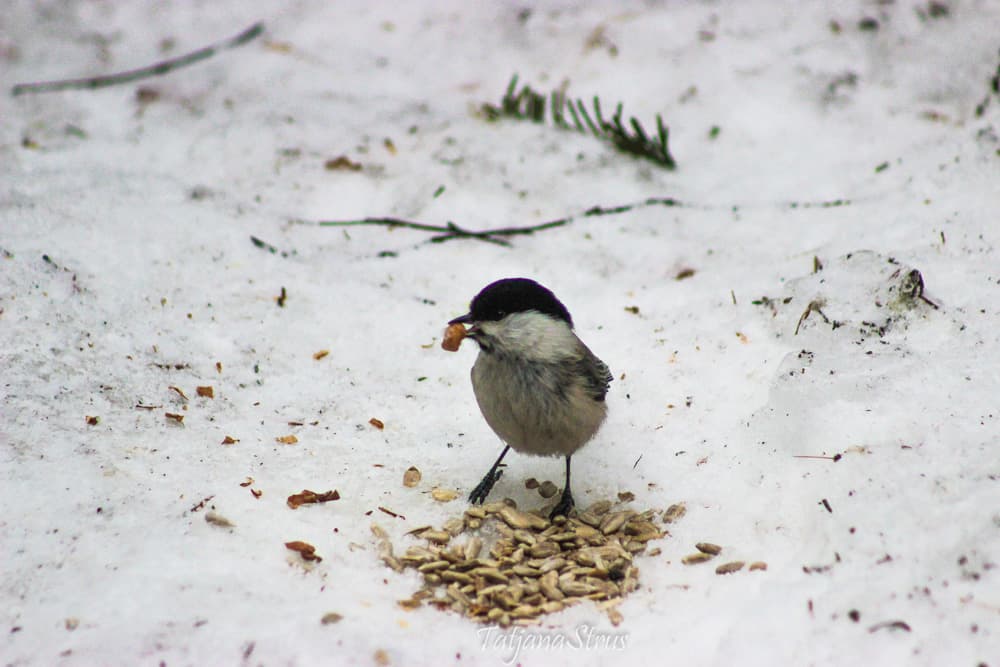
478,495
565,503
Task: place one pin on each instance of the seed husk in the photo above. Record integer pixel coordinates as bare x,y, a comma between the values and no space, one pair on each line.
411,477
700,557
600,508
708,548
454,526
758,565
674,513
727,568
547,489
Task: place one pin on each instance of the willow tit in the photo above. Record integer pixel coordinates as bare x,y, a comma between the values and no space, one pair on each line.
538,386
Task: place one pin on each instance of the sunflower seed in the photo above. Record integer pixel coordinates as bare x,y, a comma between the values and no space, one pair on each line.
544,549
525,537
758,565
612,522
490,574
552,606
451,576
575,588
518,519
551,563
436,536
472,548
434,566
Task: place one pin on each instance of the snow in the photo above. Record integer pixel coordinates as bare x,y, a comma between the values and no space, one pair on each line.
145,213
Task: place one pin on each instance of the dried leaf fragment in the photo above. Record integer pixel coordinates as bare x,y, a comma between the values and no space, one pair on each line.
304,549
93,421
173,416
411,477
377,423
286,439
341,163
205,391
409,604
331,617
307,497
320,354
230,440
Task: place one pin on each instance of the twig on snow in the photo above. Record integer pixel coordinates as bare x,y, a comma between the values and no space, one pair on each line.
157,69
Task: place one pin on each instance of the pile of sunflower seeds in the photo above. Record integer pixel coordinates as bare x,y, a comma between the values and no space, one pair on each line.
536,566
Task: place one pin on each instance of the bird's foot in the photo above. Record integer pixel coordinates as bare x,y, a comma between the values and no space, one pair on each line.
564,506
478,495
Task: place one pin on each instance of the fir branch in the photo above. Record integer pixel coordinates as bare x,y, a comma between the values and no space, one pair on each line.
526,104
157,69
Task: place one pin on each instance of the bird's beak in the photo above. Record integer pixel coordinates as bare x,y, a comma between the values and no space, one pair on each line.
467,319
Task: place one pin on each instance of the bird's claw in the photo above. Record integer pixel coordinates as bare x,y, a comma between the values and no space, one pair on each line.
564,506
478,495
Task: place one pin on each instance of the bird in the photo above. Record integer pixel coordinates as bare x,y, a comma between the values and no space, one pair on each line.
538,386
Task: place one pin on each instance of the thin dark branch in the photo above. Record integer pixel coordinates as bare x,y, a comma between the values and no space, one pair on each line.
157,69
497,236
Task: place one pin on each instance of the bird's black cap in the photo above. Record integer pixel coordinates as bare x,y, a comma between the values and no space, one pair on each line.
514,295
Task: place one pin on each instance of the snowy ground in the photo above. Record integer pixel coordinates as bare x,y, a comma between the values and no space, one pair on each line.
144,207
